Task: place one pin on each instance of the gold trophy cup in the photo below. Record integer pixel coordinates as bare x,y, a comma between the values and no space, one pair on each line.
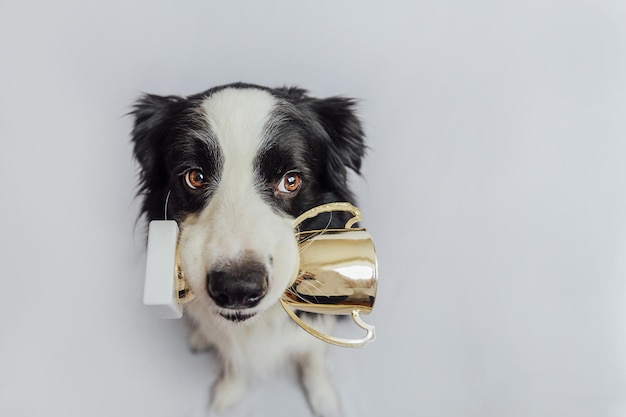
337,275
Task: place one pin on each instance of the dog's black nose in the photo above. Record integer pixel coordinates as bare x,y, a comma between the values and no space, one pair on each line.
238,285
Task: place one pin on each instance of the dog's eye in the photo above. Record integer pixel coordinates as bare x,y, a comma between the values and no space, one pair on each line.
194,179
289,183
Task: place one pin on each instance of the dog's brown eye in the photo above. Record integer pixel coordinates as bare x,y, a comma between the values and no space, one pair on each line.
194,179
289,183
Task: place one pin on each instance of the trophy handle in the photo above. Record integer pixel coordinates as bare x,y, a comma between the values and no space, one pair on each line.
326,208
353,343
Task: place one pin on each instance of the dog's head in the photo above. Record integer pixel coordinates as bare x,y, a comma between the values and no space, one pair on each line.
233,166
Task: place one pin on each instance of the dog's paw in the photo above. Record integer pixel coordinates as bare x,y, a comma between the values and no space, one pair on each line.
227,391
319,389
197,341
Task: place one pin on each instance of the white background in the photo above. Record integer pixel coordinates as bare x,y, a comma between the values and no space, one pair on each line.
495,189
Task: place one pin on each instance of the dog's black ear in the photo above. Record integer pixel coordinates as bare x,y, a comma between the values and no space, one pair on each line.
343,136
152,116
343,127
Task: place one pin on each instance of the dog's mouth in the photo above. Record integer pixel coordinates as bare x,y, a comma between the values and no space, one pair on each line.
237,316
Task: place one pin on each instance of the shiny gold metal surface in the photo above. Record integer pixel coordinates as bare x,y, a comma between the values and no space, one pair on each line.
183,291
338,274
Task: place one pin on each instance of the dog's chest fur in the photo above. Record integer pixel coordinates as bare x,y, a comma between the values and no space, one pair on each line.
271,342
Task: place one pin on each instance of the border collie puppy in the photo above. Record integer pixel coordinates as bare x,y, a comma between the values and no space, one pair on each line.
234,166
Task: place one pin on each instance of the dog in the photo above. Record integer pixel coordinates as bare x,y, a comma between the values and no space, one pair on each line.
233,166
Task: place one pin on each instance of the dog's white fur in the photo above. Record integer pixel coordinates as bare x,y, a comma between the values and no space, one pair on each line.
236,221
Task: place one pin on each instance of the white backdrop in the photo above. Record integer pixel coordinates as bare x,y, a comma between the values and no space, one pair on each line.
495,189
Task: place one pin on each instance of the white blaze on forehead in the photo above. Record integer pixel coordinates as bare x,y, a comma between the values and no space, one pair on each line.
238,117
